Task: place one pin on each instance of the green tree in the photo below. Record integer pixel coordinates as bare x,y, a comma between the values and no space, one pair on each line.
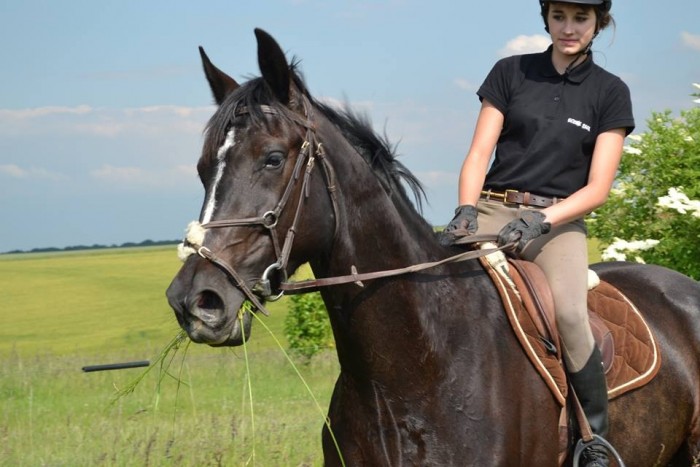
306,326
653,210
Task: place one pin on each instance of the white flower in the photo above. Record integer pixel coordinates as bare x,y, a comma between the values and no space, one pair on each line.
636,138
614,252
639,245
697,101
631,150
697,85
611,254
679,201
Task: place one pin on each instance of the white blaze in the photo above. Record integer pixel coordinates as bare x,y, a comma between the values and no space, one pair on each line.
221,165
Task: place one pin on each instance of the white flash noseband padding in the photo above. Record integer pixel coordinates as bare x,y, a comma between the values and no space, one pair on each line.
195,239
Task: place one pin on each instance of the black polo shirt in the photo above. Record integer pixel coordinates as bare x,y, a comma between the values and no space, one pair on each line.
551,122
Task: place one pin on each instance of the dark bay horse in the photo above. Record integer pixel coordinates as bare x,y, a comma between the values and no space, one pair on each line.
431,373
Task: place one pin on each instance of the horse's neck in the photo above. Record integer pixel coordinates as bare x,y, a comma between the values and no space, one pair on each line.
376,233
381,323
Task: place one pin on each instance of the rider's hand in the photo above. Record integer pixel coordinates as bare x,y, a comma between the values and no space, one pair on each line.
463,224
529,225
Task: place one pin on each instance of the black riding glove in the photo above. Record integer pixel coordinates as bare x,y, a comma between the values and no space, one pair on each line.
464,223
530,225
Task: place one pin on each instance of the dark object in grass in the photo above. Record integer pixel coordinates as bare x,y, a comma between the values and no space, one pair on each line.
116,366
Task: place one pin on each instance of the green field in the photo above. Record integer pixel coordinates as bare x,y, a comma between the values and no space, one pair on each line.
92,302
63,311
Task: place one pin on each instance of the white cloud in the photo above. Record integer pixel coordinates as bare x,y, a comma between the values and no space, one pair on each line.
15,171
360,107
130,176
465,85
691,40
39,112
524,45
176,110
437,178
186,170
118,174
162,120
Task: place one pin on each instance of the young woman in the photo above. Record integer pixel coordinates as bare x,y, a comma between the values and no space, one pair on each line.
557,122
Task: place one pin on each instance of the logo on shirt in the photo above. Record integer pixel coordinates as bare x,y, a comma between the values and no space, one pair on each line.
579,124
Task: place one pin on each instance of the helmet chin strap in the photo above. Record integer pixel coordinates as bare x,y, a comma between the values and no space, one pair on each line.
585,51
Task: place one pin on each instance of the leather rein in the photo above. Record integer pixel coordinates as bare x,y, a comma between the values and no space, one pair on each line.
311,150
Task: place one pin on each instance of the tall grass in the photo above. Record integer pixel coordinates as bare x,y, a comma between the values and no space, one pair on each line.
64,311
52,414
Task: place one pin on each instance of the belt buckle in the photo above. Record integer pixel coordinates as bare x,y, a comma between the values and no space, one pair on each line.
505,196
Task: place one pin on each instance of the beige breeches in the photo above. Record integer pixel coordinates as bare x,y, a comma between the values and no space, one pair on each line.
562,254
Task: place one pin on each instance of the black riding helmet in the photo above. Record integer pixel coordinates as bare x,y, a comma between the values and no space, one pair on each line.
603,5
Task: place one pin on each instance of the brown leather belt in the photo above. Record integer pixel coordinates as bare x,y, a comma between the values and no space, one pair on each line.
517,197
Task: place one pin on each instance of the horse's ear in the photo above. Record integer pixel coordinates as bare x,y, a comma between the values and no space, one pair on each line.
220,83
273,66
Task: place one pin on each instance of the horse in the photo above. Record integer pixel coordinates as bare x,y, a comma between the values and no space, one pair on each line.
430,372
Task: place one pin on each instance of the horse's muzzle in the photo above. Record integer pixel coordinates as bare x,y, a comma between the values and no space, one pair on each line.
206,306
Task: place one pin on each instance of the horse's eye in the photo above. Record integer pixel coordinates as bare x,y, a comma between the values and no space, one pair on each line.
274,160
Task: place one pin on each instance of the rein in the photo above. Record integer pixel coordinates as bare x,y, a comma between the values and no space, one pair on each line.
357,278
310,150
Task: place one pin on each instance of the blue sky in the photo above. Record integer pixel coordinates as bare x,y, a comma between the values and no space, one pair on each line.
102,104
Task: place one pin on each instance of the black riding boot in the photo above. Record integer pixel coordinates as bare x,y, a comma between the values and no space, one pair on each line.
591,389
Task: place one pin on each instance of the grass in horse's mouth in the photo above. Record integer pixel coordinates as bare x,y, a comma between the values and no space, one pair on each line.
165,359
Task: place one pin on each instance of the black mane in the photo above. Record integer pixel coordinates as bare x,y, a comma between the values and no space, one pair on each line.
356,128
375,149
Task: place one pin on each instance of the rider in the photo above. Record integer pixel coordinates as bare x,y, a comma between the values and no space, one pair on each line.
557,122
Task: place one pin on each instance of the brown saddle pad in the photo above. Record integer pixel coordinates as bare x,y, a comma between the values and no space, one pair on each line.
621,329
630,351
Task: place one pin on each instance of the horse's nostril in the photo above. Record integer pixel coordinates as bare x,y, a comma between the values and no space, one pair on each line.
209,300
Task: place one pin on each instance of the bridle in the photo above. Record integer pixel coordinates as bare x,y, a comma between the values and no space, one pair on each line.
310,151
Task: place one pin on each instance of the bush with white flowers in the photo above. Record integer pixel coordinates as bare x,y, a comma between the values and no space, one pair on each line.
653,212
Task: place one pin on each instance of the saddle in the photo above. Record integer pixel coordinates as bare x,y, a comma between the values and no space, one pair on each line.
631,356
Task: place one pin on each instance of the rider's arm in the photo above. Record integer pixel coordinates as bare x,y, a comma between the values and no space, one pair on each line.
473,173
606,158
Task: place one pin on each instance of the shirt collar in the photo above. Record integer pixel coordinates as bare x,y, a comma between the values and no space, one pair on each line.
577,75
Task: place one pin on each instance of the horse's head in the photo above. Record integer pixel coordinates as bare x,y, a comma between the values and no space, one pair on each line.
259,152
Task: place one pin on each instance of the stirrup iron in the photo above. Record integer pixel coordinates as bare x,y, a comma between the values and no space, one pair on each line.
599,440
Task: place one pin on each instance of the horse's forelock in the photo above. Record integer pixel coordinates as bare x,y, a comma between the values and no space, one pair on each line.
251,96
